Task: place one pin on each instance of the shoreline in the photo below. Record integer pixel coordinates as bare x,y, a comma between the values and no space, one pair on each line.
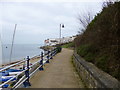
32,60
22,50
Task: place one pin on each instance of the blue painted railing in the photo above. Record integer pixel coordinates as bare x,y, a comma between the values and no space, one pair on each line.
23,76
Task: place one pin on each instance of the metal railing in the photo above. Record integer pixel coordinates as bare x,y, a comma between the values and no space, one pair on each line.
29,70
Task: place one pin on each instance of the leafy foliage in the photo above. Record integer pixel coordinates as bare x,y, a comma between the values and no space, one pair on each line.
59,48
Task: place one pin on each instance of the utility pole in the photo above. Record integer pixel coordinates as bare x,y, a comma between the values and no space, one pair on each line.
61,26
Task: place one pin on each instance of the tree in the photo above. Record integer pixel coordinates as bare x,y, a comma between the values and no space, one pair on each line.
85,19
106,3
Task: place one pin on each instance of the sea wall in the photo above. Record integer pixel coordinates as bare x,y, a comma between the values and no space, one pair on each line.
92,76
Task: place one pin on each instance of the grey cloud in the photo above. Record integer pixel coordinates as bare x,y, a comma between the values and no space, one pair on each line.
38,21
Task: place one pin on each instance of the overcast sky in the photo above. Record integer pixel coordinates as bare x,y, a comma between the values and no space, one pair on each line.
37,21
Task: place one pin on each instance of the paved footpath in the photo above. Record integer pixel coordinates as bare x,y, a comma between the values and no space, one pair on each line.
59,73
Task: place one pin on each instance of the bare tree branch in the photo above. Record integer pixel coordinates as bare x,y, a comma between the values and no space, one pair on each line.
106,3
85,19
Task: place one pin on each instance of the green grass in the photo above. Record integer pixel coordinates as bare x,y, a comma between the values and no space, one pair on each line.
68,45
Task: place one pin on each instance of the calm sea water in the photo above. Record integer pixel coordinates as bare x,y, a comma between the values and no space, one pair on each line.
20,51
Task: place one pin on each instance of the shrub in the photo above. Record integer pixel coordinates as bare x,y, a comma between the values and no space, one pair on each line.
101,62
59,48
88,52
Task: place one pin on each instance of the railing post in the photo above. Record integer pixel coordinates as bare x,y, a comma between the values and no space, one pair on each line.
51,53
24,65
41,62
27,82
55,51
48,57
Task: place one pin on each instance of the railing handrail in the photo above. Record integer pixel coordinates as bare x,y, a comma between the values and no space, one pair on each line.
12,65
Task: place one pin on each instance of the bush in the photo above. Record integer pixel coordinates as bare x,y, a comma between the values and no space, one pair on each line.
59,48
102,62
88,52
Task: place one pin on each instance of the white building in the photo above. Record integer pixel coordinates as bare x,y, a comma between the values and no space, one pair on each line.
54,41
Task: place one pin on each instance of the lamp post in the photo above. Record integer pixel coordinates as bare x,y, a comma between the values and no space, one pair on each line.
61,26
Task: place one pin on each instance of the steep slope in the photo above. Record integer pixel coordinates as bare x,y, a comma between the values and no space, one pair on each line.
100,43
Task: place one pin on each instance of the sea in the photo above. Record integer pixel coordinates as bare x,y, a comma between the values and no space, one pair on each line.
20,52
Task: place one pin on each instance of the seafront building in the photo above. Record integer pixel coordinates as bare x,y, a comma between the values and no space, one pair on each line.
55,41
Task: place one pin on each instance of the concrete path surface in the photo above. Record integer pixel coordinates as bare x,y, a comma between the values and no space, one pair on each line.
59,73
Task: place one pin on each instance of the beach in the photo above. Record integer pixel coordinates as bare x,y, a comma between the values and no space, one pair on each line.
32,61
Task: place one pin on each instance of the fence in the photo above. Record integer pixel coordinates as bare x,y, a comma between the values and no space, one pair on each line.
23,76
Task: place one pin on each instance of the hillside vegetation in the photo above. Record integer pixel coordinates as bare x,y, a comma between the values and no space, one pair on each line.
68,45
100,42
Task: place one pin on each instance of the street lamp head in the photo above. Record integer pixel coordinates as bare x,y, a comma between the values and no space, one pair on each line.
62,25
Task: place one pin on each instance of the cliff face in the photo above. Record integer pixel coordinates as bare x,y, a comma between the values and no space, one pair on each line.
100,43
